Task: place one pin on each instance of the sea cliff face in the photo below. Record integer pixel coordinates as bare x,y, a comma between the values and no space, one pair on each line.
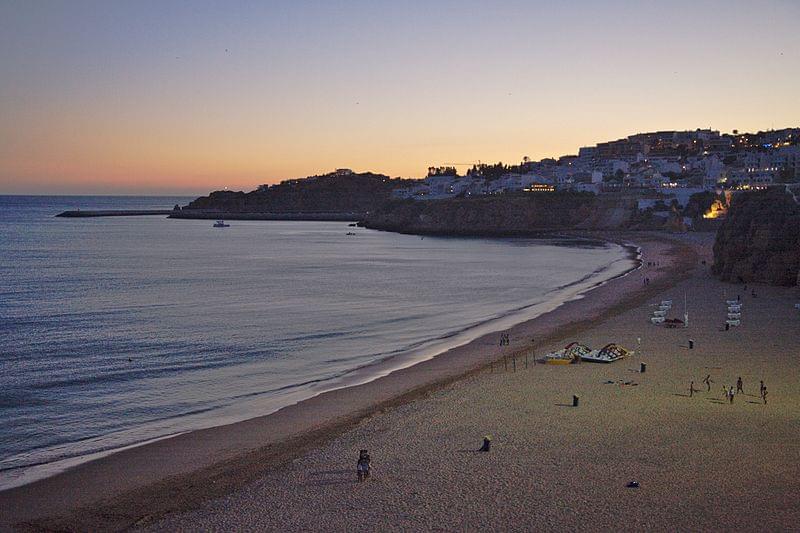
523,214
760,239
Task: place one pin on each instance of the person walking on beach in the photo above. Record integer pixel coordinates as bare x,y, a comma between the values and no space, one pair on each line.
764,395
362,467
692,389
731,394
707,381
761,389
739,385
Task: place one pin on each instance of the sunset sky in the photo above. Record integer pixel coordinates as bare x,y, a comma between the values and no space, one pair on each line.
157,97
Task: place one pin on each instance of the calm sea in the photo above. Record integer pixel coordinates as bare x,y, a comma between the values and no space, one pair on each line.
115,331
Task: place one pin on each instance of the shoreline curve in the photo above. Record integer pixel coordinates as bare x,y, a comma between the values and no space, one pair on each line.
203,464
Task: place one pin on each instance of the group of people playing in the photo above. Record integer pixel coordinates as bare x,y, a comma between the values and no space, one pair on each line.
728,392
504,341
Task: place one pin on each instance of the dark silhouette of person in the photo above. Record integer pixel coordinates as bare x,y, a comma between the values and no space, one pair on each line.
739,385
691,389
362,467
707,381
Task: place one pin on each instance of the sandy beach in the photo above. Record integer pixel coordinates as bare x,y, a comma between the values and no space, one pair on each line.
701,463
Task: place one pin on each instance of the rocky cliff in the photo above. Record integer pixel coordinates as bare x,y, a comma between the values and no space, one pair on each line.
760,239
332,193
508,214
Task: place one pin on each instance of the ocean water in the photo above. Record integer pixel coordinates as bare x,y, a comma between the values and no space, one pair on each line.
116,331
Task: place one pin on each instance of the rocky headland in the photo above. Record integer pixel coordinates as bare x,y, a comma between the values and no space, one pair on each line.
334,196
502,215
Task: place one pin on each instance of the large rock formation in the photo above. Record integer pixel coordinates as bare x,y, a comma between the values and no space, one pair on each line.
507,214
760,239
344,193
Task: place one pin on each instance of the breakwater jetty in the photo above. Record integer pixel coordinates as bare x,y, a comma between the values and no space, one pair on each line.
114,213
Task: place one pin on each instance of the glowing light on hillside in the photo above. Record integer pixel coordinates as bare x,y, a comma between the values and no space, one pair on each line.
716,210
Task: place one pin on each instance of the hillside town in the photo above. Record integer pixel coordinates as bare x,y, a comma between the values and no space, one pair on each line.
664,165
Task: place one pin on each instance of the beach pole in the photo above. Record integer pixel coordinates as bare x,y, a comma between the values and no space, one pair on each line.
526,359
514,361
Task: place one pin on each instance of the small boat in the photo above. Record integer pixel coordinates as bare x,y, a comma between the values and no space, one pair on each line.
571,353
349,233
733,322
657,319
735,316
607,354
660,313
221,224
734,308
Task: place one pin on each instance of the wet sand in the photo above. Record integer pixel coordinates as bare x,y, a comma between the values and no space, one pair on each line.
552,465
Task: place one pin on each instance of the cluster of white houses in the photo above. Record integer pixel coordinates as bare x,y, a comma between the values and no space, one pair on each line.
671,163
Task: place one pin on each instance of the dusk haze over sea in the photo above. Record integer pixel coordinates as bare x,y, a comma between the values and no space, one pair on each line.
399,266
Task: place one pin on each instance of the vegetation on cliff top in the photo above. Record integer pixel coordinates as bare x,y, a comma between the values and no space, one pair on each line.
335,192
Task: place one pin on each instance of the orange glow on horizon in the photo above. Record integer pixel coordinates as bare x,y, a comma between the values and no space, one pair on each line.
141,101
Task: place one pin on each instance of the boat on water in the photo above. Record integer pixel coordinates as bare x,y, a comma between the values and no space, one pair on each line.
607,354
571,353
221,224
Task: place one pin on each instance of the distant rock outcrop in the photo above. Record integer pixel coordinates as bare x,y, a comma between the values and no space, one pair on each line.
503,215
350,192
760,239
